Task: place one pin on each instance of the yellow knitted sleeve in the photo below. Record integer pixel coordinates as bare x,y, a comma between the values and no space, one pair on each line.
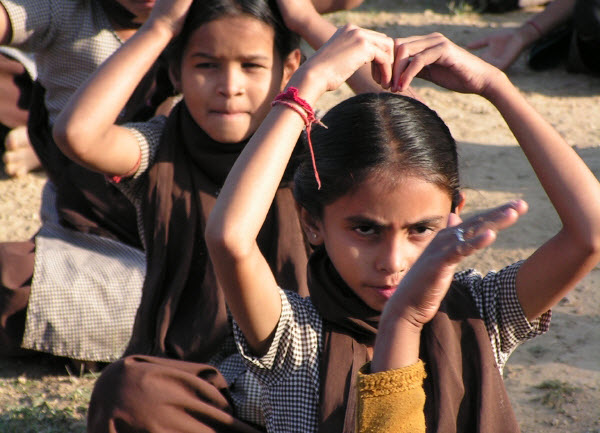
391,401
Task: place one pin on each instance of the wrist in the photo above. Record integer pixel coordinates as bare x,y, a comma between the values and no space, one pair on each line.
308,84
397,344
530,32
160,28
497,85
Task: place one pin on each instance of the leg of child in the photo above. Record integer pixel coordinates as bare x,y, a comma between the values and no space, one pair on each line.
16,272
15,88
19,157
145,393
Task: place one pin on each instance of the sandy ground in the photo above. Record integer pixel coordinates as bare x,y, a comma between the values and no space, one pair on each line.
554,380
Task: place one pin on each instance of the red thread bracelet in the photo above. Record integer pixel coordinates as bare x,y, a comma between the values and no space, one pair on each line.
131,172
291,99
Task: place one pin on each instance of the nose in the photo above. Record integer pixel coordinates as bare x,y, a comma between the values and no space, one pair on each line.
394,256
231,81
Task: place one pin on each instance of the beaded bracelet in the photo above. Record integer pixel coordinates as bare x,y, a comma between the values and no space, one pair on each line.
291,99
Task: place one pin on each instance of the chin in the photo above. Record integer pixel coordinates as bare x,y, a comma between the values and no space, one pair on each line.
228,137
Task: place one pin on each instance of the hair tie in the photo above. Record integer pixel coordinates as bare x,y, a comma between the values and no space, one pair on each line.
291,99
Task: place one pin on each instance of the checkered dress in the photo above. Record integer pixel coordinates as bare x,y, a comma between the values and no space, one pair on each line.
85,288
70,39
290,369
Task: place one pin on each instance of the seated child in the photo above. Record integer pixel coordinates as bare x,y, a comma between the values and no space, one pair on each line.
379,200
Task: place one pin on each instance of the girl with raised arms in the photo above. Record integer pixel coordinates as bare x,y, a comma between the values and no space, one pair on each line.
380,203
229,60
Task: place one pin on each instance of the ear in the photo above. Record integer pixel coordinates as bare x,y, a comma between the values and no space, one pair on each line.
175,76
311,226
290,64
462,199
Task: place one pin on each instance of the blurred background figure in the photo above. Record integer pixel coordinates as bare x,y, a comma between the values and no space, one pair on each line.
566,31
17,74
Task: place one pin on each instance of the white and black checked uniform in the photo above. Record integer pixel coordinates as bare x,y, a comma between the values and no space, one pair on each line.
85,289
290,369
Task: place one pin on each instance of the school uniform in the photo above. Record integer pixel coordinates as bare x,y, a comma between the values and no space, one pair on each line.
182,337
465,347
73,290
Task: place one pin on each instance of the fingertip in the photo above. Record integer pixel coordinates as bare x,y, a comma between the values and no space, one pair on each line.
520,206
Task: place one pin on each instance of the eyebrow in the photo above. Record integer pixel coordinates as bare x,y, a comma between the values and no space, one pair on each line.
360,219
250,57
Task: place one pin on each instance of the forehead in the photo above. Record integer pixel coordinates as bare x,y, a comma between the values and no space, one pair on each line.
407,200
232,36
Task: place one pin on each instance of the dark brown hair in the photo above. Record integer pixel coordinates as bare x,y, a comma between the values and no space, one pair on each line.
204,11
376,134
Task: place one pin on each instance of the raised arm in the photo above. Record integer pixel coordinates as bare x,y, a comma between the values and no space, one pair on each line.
302,18
85,130
557,266
250,288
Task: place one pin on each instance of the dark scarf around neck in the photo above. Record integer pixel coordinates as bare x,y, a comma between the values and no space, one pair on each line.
350,326
465,391
119,16
183,313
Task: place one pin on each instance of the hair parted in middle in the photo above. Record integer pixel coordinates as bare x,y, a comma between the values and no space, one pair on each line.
377,134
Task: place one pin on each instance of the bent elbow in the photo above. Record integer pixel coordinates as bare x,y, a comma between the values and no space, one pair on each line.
222,241
588,245
71,141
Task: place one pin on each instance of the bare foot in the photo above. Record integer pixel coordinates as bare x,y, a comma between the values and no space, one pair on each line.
19,157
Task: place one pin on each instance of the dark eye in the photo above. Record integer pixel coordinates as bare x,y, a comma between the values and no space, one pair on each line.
422,230
250,65
365,230
206,65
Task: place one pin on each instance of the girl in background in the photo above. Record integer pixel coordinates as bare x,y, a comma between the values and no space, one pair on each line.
87,225
230,58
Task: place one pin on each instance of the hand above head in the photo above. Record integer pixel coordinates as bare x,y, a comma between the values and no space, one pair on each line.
435,58
504,47
350,48
170,13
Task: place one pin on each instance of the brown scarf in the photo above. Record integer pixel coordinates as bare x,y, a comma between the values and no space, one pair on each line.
182,313
464,389
349,327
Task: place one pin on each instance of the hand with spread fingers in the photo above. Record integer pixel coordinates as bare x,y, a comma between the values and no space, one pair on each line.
502,49
421,291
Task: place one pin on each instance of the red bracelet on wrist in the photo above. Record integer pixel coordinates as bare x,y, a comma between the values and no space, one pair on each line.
291,99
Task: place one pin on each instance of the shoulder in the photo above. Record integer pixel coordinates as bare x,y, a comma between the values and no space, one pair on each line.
504,279
41,19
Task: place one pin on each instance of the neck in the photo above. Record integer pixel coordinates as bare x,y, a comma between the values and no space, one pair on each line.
123,21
